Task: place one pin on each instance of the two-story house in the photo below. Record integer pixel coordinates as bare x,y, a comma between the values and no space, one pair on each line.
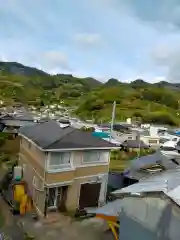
64,166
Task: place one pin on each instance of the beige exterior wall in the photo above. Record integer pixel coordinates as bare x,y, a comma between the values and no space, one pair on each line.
33,151
29,173
64,176
35,160
73,195
67,176
91,170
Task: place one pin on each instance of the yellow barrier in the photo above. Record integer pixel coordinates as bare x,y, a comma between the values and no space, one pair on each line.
113,226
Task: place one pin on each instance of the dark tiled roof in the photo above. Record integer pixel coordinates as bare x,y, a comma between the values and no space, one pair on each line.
50,135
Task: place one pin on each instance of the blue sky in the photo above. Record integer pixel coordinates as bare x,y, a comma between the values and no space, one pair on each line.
124,39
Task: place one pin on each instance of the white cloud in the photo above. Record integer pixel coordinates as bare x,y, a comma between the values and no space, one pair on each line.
3,58
168,57
88,39
54,60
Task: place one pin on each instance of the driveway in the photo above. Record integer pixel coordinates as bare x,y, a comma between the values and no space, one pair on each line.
65,228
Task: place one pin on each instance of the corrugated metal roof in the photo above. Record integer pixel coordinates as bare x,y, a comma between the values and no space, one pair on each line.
157,158
143,187
110,209
167,182
170,178
141,162
175,195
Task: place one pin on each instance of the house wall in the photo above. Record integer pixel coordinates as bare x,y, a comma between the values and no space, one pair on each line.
37,156
36,162
149,140
73,195
29,173
33,162
151,218
78,169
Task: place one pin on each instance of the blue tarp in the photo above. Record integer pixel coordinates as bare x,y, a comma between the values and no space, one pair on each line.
101,134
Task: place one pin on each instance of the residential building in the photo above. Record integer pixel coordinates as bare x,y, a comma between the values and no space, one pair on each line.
155,136
66,167
134,145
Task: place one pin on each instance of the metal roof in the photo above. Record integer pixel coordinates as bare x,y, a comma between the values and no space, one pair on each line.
138,163
141,162
110,209
167,182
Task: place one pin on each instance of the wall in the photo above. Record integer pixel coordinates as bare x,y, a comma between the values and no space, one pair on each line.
30,150
74,190
29,173
78,169
33,160
149,218
146,140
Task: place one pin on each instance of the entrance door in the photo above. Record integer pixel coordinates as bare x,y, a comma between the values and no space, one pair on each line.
61,200
57,197
89,195
52,198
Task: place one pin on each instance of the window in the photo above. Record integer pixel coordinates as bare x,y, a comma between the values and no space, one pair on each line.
59,161
163,140
91,156
174,139
168,148
153,141
95,156
29,145
153,168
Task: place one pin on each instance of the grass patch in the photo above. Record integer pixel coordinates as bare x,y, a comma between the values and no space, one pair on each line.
118,165
121,160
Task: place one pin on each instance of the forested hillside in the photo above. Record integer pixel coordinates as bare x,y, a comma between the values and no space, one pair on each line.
158,102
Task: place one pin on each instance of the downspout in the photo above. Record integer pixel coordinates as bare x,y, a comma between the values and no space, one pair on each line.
45,189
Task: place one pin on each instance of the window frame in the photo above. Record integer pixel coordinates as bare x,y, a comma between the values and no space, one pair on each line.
61,166
29,145
97,160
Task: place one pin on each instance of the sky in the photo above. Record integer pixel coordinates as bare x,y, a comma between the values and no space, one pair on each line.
123,39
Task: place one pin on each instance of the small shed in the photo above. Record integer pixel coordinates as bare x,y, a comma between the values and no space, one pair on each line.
134,144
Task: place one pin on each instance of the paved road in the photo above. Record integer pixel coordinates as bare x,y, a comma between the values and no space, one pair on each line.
10,228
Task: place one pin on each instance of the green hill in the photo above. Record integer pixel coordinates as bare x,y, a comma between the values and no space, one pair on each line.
157,102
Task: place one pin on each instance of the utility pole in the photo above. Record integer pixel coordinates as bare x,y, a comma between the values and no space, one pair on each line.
112,120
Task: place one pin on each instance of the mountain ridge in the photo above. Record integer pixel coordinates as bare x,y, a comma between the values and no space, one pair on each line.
28,71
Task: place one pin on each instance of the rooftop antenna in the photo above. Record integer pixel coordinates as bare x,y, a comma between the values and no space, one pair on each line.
112,119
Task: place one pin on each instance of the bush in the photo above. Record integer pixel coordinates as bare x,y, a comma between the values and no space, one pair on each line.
160,118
